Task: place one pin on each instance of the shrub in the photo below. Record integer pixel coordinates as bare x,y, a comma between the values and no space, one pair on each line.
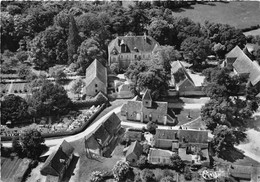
187,174
148,176
142,161
120,170
96,176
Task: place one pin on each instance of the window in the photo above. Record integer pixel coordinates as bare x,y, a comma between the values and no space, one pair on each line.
135,56
96,91
95,85
146,102
133,160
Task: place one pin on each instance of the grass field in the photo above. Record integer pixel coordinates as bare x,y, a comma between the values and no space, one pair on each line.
241,14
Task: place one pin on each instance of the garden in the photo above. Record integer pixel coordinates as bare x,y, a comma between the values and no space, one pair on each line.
67,123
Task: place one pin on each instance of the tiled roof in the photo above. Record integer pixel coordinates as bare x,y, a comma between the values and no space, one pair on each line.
194,136
160,153
132,106
242,64
96,70
147,95
134,135
166,134
111,123
239,171
141,43
235,52
135,148
137,98
254,75
55,160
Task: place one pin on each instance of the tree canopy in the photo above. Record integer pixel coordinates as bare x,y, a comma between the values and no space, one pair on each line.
13,108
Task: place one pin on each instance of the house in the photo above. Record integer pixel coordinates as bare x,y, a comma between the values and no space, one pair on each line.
241,64
57,163
190,145
159,156
184,84
125,49
147,110
96,79
103,139
134,152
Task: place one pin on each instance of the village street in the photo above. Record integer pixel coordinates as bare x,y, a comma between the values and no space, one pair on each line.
53,143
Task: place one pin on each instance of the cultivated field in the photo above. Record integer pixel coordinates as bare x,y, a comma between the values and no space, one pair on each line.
239,14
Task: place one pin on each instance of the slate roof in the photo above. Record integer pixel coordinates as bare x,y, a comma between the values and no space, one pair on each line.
135,148
112,123
242,64
142,43
54,161
96,70
101,134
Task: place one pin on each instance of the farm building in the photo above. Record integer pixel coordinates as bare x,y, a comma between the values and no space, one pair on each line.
58,162
241,64
183,82
134,152
187,143
147,110
125,49
103,139
96,79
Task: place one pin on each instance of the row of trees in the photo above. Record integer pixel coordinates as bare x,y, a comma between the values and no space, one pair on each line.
64,32
227,114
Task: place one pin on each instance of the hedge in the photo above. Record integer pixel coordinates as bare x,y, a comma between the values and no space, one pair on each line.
66,133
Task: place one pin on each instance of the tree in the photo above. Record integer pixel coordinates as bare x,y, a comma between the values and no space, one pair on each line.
120,170
179,76
73,41
142,161
32,143
89,50
16,147
48,98
49,48
24,71
96,176
77,86
13,108
114,68
196,49
151,126
224,140
148,176
176,162
57,73
161,31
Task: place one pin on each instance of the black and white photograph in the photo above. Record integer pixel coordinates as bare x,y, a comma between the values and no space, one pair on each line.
130,91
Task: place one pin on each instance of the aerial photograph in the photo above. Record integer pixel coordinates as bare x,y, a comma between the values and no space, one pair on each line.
130,91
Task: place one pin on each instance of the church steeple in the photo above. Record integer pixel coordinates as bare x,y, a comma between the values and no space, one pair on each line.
147,99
